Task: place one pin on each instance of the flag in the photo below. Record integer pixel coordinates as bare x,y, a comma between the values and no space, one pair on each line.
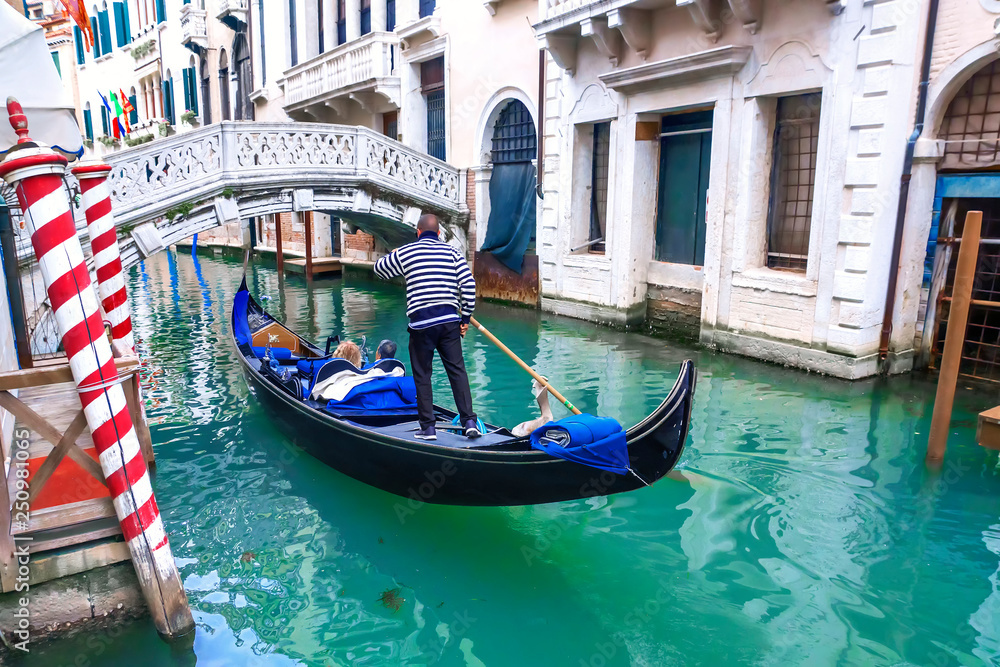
119,113
126,103
78,12
115,125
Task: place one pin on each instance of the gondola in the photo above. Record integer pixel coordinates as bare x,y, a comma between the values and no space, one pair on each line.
377,446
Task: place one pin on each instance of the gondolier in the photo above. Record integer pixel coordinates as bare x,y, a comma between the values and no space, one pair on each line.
440,299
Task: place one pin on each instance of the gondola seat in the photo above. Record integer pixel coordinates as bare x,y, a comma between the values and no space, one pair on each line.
280,354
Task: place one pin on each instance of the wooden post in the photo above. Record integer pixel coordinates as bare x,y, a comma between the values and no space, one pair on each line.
308,218
954,339
277,244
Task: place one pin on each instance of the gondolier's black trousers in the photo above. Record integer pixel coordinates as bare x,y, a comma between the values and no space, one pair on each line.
447,340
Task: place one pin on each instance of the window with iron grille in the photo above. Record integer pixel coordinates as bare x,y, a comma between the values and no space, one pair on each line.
514,135
793,176
432,87
600,161
971,126
427,7
366,16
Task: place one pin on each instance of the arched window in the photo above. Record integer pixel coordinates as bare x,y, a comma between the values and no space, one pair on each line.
206,98
224,83
168,98
133,115
971,125
241,61
514,135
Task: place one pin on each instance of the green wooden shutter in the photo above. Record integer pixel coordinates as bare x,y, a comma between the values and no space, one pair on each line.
119,24
194,89
88,124
96,32
126,22
168,97
55,60
102,19
133,115
161,11
104,121
187,90
78,38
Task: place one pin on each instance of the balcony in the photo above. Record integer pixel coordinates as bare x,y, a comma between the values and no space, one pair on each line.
146,54
194,28
234,12
360,73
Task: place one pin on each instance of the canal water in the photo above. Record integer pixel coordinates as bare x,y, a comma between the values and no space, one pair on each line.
810,531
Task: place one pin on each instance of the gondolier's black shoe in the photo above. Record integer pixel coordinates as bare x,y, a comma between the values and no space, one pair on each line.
426,434
471,430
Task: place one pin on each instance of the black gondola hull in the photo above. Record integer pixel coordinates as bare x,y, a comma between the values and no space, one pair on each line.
512,474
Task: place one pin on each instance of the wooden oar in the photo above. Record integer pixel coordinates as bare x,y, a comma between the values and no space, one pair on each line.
541,380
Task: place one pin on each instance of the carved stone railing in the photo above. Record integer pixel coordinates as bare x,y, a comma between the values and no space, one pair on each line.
346,67
554,8
233,10
149,180
194,27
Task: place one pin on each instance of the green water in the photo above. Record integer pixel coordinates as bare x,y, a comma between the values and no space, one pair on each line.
811,532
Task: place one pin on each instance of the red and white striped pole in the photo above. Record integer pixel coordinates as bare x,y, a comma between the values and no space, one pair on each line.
36,173
96,195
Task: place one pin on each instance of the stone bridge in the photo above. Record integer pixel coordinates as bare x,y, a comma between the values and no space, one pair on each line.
170,189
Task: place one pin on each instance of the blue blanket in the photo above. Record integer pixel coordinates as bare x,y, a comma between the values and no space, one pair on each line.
385,393
598,442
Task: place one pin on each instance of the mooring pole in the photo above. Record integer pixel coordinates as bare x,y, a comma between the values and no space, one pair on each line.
307,217
954,340
36,173
96,196
277,244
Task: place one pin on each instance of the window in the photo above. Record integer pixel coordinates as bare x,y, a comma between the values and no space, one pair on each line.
319,25
168,99
190,90
685,158
514,135
96,32
600,160
161,11
793,174
390,15
88,123
206,100
105,24
55,61
432,87
971,125
133,115
427,7
78,40
122,29
390,124
105,124
342,21
292,39
241,61
366,16
224,84
263,61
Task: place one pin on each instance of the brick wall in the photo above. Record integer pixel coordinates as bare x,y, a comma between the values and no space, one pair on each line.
360,241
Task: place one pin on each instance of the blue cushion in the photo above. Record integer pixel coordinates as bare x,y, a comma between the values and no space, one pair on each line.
384,393
277,353
310,366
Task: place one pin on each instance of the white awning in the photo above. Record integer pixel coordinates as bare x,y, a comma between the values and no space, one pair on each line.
28,73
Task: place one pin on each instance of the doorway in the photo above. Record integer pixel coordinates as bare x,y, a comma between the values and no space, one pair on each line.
685,158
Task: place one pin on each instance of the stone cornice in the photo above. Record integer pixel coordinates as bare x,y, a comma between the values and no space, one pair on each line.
723,61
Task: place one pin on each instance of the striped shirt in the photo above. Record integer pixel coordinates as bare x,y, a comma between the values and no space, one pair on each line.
439,286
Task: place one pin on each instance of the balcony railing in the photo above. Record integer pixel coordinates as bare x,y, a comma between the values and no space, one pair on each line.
554,8
194,27
351,67
232,12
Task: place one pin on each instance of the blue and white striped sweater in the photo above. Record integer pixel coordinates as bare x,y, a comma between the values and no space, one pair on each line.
439,286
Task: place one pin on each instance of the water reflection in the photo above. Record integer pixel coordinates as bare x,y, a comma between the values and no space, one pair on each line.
810,534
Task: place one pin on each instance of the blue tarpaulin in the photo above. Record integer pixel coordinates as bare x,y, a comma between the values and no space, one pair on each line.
598,442
512,213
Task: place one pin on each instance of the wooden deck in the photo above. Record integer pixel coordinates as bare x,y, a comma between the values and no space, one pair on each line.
320,266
